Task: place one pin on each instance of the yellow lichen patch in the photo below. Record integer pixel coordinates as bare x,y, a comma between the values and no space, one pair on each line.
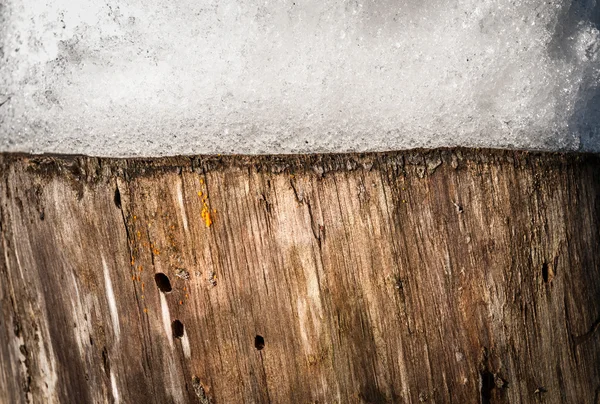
156,252
206,215
145,310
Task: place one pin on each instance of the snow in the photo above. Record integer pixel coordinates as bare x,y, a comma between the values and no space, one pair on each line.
154,77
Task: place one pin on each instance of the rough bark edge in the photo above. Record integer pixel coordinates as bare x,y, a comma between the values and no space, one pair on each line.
422,161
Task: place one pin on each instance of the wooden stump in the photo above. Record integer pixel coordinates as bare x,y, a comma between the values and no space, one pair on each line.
445,276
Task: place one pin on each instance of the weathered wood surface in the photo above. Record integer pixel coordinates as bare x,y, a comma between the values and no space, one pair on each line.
452,276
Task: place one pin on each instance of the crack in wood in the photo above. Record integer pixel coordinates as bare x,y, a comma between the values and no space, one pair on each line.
578,340
297,195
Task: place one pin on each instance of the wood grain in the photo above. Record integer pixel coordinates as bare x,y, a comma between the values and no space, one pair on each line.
444,276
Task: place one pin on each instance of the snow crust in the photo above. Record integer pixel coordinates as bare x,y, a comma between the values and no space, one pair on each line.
158,77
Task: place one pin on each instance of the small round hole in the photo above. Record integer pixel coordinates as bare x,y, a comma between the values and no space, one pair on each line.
177,327
162,282
259,342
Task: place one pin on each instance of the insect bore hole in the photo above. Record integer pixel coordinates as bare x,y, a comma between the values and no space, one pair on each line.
259,342
117,198
486,383
548,271
177,327
162,282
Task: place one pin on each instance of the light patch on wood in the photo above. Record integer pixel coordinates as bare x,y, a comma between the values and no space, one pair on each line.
182,206
303,318
47,368
17,258
112,302
309,307
166,318
114,388
174,387
77,311
185,345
